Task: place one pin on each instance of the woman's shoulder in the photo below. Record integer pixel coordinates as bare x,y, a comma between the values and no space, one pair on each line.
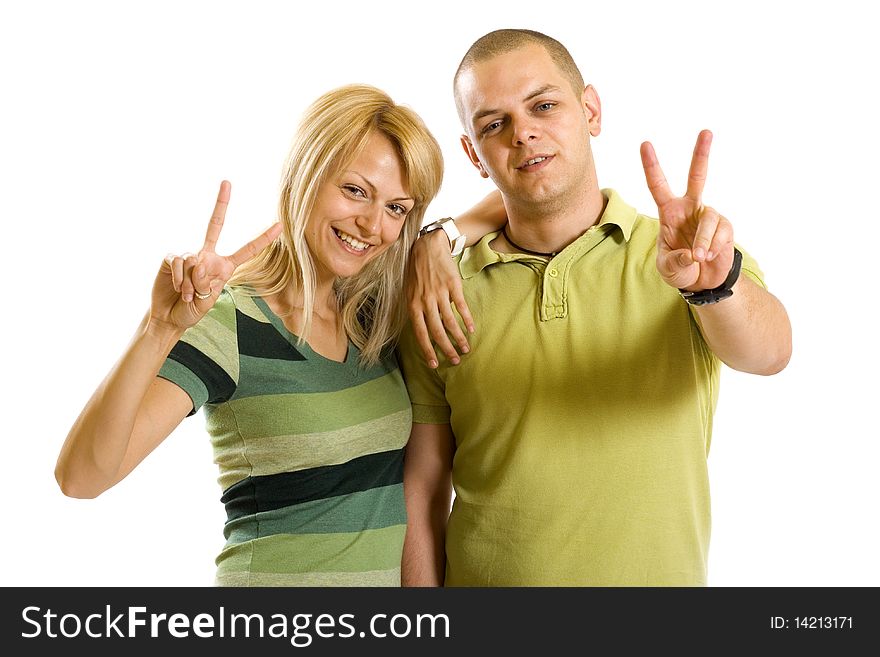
245,300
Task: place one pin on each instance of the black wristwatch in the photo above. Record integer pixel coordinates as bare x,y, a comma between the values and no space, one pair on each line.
704,297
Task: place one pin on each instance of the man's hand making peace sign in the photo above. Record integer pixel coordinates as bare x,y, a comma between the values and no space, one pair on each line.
749,331
695,243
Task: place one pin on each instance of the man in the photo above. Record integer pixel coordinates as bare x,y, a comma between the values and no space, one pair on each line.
576,430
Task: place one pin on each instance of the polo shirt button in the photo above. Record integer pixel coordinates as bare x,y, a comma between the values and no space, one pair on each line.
553,273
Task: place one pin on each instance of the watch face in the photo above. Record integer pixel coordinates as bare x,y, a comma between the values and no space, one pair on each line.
427,228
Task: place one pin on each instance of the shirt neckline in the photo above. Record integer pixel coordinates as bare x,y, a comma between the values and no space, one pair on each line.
618,215
303,347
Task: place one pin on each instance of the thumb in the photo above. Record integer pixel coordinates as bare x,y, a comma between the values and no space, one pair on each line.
678,268
683,257
672,262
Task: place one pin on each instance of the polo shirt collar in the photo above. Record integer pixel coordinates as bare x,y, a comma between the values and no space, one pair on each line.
481,255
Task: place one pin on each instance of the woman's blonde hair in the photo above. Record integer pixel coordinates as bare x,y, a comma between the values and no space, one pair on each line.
332,133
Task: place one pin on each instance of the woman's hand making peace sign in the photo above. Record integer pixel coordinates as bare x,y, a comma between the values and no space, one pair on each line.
188,285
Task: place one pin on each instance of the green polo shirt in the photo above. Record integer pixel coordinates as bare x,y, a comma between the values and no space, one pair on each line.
582,416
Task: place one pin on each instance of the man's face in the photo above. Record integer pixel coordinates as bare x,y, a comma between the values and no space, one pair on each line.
527,129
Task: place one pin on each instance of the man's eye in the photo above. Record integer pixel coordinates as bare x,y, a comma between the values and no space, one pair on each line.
490,127
543,107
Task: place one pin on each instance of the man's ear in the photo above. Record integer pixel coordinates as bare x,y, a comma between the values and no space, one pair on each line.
593,109
472,155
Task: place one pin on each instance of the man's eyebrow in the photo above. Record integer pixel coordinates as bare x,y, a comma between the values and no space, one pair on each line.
486,112
534,94
542,90
373,187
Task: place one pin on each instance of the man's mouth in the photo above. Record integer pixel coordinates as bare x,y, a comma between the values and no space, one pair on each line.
534,163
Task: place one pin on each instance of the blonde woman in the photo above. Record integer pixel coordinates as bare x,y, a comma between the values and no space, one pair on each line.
288,346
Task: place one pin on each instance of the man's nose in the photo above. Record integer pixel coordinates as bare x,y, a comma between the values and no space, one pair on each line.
524,130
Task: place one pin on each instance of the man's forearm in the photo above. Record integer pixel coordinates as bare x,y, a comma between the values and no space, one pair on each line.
424,552
749,331
427,486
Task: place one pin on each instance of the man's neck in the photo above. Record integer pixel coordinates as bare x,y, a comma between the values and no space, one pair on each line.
544,231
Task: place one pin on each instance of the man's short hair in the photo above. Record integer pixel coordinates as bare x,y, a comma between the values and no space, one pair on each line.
503,41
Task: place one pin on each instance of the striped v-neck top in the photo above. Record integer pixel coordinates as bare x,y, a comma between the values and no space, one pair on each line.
309,450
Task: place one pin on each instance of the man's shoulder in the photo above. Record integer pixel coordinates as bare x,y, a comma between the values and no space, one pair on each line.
645,227
475,258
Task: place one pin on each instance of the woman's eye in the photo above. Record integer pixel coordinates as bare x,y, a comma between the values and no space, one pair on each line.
399,210
354,190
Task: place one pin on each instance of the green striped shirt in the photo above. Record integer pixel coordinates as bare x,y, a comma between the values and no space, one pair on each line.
309,450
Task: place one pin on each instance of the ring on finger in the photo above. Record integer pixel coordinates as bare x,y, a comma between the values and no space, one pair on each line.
199,295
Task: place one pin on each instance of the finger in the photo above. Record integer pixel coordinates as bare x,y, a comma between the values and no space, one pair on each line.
176,264
709,219
186,286
253,247
202,284
678,268
699,166
682,258
674,260
423,338
452,327
439,336
657,184
461,306
722,241
217,217
177,273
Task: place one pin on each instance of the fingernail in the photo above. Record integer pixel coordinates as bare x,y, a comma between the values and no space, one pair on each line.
699,253
432,364
465,349
187,298
455,361
470,328
711,255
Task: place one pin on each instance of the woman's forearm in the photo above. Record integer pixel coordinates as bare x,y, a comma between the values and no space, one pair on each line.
93,454
487,216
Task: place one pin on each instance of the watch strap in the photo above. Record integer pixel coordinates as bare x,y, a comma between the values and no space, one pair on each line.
723,291
447,225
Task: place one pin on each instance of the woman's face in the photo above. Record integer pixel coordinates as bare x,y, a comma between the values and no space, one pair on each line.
359,211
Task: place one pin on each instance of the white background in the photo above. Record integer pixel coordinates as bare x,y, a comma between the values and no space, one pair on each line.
120,119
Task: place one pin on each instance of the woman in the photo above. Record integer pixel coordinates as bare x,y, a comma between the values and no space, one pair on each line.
288,346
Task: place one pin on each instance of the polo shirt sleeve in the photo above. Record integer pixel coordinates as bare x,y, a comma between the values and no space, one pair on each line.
427,391
204,362
751,269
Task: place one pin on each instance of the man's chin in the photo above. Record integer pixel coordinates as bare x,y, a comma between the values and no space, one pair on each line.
539,199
